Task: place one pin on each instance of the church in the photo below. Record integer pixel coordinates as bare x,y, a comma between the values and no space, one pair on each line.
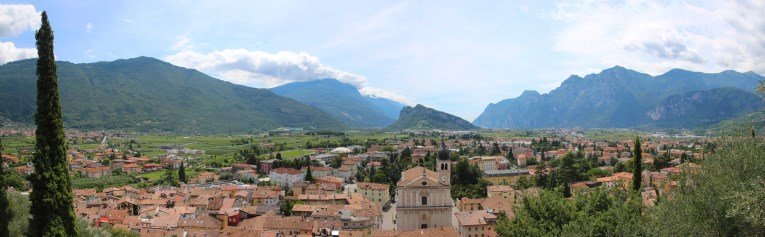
424,197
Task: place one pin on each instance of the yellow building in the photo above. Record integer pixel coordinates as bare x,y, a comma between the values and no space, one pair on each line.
376,192
476,223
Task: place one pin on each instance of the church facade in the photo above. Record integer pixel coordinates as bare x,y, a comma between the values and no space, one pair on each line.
424,196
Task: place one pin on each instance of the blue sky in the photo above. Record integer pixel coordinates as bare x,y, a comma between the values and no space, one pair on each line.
455,56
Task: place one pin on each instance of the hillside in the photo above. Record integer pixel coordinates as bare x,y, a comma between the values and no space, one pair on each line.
146,94
615,98
343,101
701,108
424,118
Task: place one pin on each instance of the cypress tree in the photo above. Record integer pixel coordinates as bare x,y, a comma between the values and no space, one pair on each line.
637,173
5,210
308,175
51,198
182,173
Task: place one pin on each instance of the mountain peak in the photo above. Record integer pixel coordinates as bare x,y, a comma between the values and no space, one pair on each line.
617,70
529,93
420,117
343,101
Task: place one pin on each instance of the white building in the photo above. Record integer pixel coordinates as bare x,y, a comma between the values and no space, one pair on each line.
285,177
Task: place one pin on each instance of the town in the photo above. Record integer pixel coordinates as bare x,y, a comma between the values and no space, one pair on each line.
297,183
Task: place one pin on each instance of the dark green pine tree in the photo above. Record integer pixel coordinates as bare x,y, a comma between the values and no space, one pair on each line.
51,198
308,175
6,215
637,172
182,173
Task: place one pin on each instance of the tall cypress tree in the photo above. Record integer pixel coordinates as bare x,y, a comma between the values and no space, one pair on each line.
5,210
182,173
308,175
637,173
51,198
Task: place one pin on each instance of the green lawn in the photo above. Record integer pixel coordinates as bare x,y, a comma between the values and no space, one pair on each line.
156,175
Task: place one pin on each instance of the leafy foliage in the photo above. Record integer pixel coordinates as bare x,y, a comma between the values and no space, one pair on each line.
467,182
726,197
595,214
6,214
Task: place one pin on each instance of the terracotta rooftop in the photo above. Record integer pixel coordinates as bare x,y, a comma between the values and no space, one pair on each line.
473,218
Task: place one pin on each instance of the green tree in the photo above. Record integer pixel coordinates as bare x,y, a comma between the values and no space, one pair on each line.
724,198
52,210
495,149
182,173
637,172
6,215
406,153
591,214
308,175
336,162
169,177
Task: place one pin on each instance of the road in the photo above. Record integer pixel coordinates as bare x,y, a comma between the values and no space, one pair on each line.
388,216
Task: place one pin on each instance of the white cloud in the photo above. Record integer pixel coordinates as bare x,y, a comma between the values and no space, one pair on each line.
88,28
380,93
653,36
262,69
15,19
182,43
9,53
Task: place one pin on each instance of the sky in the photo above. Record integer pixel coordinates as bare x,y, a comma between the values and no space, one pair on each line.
455,56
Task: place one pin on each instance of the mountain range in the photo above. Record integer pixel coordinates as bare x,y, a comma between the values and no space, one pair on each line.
147,94
343,101
420,117
621,98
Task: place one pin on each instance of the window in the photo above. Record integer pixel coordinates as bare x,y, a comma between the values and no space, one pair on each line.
424,200
424,183
423,226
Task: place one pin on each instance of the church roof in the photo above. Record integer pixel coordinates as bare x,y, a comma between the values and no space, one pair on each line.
415,173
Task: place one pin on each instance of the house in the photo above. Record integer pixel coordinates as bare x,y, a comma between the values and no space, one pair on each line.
503,191
131,168
265,198
618,180
476,223
504,176
246,175
378,193
96,172
584,186
346,172
285,177
332,180
205,177
318,171
266,165
469,204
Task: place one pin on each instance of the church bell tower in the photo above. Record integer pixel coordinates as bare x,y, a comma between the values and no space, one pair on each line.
443,165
